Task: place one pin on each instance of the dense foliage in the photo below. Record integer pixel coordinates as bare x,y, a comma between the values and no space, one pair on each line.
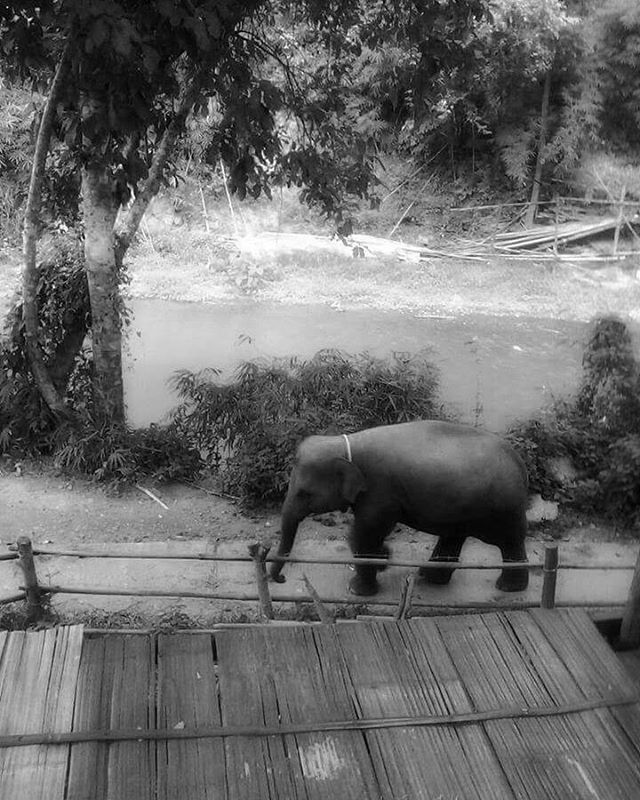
248,430
26,422
596,433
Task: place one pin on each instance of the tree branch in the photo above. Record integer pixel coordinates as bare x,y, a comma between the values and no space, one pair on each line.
128,225
30,274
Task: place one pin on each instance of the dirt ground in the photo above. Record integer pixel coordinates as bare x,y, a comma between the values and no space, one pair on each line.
53,509
50,508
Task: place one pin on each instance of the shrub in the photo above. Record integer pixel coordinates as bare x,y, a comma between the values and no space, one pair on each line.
598,429
538,442
248,430
115,454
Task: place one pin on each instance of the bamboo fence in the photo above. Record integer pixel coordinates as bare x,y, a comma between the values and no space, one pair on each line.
34,592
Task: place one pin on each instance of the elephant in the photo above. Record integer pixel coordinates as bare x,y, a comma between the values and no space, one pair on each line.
441,478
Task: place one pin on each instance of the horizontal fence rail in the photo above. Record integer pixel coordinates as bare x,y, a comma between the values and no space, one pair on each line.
35,592
327,560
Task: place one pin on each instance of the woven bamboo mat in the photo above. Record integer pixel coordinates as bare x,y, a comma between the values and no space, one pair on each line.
524,704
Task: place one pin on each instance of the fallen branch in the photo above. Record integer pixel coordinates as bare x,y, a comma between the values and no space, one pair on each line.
324,615
404,606
154,497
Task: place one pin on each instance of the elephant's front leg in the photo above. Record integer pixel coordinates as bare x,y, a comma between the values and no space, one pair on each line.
367,541
447,549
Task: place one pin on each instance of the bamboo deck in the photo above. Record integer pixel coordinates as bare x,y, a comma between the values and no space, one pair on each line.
522,704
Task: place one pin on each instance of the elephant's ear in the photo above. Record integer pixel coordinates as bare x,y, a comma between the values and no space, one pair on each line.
353,481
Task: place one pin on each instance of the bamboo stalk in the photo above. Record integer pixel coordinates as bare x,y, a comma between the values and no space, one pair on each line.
418,721
516,255
203,556
216,628
550,574
205,213
549,230
567,199
300,598
616,234
330,561
226,190
411,204
12,598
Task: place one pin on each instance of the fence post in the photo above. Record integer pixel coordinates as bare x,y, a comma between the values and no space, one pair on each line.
549,575
35,611
630,628
259,553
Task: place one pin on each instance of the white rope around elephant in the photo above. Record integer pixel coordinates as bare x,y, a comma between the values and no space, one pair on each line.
348,444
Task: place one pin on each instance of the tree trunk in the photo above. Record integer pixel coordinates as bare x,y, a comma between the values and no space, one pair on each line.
30,276
99,212
537,178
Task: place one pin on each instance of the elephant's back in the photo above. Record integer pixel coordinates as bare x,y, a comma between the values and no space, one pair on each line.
452,463
441,439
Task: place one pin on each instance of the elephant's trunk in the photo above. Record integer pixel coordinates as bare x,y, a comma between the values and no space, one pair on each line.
290,520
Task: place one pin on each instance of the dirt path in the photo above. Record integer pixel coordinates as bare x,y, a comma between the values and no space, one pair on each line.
57,513
54,509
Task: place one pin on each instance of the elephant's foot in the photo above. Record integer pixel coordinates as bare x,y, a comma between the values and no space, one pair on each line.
513,580
275,572
438,576
362,587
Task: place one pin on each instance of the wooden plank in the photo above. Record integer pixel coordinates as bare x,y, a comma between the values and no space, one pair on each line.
188,697
269,676
38,675
630,659
309,677
594,667
116,690
88,763
402,669
504,662
256,767
130,768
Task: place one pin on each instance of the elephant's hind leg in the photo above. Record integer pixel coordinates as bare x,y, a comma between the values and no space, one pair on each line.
447,549
516,579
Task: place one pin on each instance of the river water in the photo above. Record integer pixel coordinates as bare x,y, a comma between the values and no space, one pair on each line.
509,366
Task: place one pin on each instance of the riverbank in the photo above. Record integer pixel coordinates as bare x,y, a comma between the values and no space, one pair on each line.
258,250
439,287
